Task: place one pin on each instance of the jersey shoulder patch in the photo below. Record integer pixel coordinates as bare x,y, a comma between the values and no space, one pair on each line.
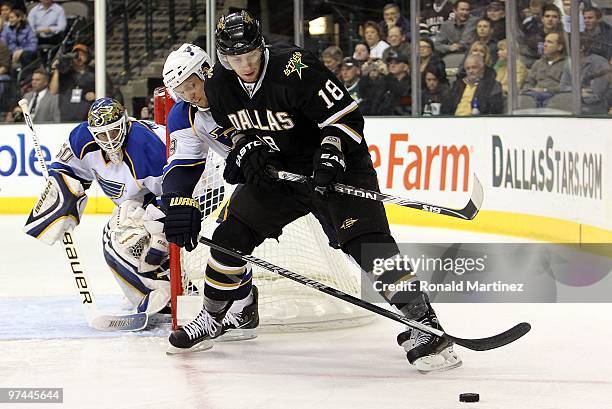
82,141
181,116
296,68
145,153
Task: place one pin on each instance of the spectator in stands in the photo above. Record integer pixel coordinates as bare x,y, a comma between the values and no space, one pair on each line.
496,13
361,53
43,106
594,82
501,68
483,33
397,43
392,17
5,8
20,39
477,48
479,7
544,77
5,65
332,58
350,75
372,36
535,30
481,48
48,20
434,90
453,34
434,13
74,81
600,32
374,69
477,93
398,84
429,56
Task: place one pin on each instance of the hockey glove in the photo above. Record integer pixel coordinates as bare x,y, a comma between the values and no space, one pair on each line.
252,156
328,164
183,220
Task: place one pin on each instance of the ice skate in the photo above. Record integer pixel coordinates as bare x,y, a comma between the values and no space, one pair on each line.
242,319
199,334
428,352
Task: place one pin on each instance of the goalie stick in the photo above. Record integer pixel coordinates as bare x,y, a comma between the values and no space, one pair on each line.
469,211
478,344
127,322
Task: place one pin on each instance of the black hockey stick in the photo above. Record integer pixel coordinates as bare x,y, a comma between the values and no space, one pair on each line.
467,213
481,344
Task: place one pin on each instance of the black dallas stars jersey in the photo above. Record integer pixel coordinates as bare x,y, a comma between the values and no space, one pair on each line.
295,103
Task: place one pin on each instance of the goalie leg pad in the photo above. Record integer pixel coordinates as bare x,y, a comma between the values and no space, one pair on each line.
58,209
133,284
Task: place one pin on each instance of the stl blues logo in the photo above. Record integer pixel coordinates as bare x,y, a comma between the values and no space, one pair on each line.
112,189
295,64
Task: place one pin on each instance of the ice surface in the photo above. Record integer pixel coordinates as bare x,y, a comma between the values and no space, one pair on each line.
45,342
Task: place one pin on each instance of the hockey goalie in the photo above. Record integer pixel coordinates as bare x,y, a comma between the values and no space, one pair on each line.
126,157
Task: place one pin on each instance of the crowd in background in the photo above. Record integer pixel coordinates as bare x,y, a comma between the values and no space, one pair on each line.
39,62
462,50
463,55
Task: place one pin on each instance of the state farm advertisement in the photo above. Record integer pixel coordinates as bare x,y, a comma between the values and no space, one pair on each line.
552,167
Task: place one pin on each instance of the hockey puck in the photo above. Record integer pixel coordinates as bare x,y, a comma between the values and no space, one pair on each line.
469,397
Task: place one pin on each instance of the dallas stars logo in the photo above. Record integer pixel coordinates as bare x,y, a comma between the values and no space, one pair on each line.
295,64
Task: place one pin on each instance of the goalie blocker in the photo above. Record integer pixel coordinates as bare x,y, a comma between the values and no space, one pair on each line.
58,209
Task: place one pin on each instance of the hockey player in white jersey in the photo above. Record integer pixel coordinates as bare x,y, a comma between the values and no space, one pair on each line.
126,157
194,135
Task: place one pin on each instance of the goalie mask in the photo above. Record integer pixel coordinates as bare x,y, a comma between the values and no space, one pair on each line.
108,122
181,64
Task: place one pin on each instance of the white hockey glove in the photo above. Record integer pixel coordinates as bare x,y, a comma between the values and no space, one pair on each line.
136,234
58,209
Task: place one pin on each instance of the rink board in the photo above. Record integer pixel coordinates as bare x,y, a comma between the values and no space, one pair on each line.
543,178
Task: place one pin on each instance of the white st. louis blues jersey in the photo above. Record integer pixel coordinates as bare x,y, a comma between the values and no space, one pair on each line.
193,133
139,175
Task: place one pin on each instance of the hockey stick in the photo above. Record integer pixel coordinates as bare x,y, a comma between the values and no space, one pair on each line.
467,213
129,322
479,344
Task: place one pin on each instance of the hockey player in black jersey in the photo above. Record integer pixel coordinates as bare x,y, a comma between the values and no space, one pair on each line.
290,112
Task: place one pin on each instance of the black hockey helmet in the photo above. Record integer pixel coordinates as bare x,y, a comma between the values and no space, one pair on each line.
238,33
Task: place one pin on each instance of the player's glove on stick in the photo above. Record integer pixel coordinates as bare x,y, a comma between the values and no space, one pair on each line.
328,164
183,220
251,156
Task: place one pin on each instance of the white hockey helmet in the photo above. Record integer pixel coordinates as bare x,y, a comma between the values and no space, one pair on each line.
182,63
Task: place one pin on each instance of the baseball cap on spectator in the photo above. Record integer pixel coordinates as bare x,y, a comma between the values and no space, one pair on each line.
495,5
397,58
349,62
81,47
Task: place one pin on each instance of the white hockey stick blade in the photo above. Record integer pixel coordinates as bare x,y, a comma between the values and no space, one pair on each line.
129,322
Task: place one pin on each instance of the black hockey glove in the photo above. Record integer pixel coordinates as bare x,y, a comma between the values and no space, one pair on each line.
183,220
328,164
251,156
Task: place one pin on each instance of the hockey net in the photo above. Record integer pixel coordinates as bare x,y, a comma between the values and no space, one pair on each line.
303,247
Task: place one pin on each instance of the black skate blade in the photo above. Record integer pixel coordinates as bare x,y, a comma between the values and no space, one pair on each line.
202,346
496,341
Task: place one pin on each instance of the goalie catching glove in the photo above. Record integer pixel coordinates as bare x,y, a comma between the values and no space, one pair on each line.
183,220
328,164
58,209
137,235
247,162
